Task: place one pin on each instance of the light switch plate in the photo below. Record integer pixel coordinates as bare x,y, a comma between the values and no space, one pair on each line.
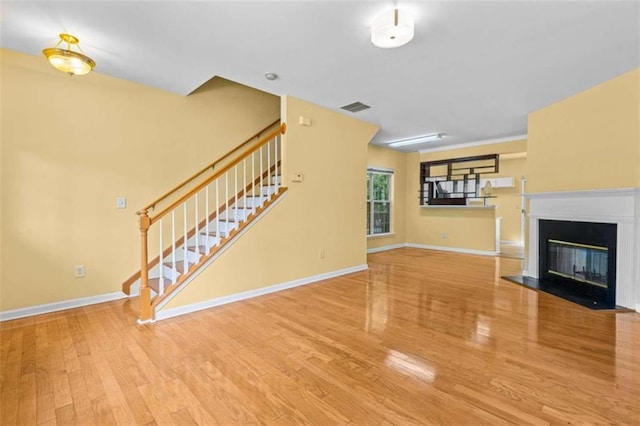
304,121
79,271
121,203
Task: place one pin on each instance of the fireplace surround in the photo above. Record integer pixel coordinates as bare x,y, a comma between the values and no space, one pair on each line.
618,207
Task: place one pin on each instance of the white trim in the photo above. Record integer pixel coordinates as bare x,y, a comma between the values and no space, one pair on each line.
380,170
582,218
385,235
454,206
60,306
472,144
454,249
511,242
638,308
390,201
220,252
385,248
194,307
584,193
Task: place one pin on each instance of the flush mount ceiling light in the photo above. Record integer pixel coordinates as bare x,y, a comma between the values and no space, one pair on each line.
66,60
392,29
271,76
416,140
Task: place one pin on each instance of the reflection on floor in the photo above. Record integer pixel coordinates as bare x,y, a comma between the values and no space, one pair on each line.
422,337
515,251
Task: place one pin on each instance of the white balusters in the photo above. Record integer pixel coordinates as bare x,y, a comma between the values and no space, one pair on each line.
226,198
276,178
269,169
253,182
217,214
161,263
206,215
186,237
173,247
235,193
197,234
261,183
244,186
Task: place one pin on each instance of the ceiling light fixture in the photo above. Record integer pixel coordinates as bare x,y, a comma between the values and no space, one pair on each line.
271,76
392,29
416,140
66,60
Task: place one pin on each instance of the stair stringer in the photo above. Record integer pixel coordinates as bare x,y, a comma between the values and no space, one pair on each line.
199,268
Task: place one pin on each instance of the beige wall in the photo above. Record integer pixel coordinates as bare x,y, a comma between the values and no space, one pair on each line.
71,145
513,147
466,229
385,158
325,211
588,141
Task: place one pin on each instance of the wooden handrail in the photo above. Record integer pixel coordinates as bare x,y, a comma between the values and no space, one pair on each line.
281,130
209,166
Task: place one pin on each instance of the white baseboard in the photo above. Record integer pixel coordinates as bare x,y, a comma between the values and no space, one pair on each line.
638,308
385,248
511,242
60,306
182,310
453,249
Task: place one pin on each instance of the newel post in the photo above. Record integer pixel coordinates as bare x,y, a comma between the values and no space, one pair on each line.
144,222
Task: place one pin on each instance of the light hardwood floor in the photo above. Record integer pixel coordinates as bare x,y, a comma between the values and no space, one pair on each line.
422,337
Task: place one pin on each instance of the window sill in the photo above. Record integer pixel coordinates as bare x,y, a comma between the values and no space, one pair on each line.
464,207
387,235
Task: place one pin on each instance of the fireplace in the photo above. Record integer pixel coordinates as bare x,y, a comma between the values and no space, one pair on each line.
578,259
613,207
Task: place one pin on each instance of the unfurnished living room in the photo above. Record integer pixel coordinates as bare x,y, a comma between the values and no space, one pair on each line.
320,212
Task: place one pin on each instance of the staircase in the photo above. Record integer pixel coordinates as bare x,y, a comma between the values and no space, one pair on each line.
191,225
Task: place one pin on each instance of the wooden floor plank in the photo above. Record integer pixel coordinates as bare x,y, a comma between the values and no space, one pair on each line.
421,337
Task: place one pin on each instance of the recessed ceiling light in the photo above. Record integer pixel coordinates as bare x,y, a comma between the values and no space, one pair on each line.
271,76
416,140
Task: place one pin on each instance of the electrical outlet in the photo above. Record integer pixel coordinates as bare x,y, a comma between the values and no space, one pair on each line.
80,271
121,203
321,253
443,235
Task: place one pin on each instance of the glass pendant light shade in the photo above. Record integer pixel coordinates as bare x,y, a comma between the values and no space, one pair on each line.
392,29
68,61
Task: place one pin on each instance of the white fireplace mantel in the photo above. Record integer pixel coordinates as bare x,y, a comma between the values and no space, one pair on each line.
619,206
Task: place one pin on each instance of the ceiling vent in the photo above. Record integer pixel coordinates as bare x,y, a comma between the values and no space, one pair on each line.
355,107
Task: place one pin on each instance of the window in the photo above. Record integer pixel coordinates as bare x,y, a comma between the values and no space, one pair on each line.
378,201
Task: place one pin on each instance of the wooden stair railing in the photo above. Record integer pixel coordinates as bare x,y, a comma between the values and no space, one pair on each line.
203,216
208,167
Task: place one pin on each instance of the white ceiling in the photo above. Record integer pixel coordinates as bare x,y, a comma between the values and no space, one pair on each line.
474,70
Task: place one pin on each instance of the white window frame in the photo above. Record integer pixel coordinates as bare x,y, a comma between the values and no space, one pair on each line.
371,202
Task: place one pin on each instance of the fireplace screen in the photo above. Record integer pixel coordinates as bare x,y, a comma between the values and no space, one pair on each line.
580,262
